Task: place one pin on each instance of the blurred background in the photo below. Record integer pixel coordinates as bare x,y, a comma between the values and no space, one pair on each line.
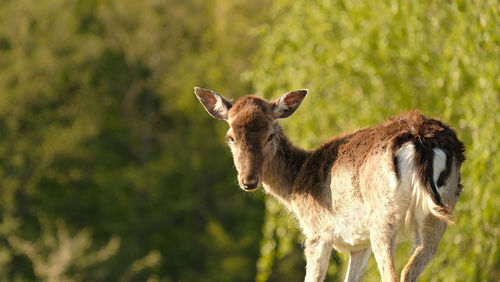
112,171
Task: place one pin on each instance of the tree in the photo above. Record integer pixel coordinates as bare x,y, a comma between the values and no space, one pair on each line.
102,134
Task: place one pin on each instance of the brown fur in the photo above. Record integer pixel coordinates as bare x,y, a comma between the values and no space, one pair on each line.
353,149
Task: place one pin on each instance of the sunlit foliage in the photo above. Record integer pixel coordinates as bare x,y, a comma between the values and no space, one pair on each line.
365,60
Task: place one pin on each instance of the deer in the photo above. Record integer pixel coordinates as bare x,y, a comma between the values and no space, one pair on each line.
359,192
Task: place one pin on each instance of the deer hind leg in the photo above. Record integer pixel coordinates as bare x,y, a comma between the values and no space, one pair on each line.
427,238
430,230
318,252
357,265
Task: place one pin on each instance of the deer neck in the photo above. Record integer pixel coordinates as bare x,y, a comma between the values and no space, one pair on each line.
281,171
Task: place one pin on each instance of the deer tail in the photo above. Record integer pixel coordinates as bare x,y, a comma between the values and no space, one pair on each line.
424,169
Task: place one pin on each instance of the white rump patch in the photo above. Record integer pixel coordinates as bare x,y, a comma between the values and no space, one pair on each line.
410,184
406,156
438,165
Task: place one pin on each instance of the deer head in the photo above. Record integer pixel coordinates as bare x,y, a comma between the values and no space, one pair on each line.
253,134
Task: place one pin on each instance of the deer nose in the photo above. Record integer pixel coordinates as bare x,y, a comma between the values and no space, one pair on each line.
251,183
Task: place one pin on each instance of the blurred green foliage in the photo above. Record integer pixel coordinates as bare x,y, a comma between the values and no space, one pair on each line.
111,171
104,142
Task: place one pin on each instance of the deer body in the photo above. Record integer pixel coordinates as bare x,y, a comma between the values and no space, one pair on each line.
357,193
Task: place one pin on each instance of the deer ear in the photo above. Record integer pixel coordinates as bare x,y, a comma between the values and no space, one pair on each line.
216,105
288,103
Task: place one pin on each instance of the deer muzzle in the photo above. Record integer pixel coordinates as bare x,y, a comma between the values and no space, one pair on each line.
250,183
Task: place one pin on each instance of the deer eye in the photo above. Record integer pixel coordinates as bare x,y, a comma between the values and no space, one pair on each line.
230,139
270,137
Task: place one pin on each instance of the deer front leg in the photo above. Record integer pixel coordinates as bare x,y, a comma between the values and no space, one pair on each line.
382,242
318,252
357,265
